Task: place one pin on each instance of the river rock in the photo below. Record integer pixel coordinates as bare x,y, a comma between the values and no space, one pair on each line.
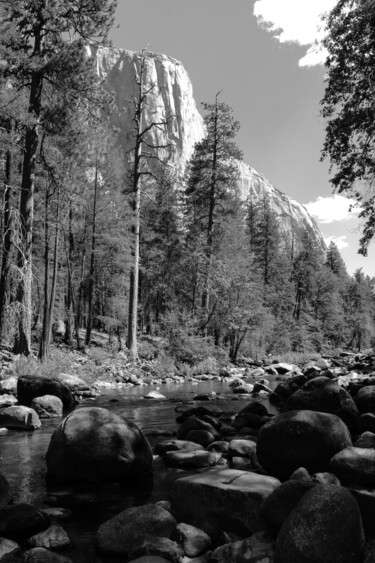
42,555
258,548
150,559
127,530
76,384
7,400
220,447
158,547
8,385
221,499
202,437
365,399
366,422
19,418
20,521
191,459
93,444
53,537
355,465
324,527
48,406
193,541
241,448
300,439
326,478
277,507
323,395
31,386
161,448
7,546
155,395
194,423
365,440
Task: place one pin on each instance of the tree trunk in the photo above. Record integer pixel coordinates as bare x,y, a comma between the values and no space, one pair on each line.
49,301
69,299
92,263
8,235
22,343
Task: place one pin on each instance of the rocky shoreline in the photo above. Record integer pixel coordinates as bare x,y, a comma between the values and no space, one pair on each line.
296,486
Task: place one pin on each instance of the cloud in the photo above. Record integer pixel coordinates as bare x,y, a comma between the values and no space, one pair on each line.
330,209
296,21
340,242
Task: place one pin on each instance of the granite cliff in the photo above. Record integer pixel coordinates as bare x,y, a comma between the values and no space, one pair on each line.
172,97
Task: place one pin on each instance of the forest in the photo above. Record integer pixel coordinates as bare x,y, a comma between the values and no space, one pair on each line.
100,239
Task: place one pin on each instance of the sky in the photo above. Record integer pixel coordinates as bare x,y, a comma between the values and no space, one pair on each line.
263,56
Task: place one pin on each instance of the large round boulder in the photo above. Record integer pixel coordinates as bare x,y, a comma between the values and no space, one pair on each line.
300,439
95,445
365,399
324,395
324,527
31,386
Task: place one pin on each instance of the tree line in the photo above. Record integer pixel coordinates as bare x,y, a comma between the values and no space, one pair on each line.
121,242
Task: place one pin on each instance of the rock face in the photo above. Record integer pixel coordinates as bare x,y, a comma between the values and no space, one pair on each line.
300,439
94,445
172,96
294,217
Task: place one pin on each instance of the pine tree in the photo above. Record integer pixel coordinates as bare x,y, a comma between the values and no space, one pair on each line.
42,43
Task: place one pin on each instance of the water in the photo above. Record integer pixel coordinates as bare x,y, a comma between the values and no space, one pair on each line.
22,460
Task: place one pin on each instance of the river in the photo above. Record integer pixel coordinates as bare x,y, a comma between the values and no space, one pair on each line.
22,460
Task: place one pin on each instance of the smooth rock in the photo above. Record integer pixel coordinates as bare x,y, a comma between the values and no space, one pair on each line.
161,448
355,466
48,406
219,446
300,439
155,395
258,548
194,423
158,547
93,444
7,546
365,440
278,506
191,459
53,537
241,448
202,437
127,530
221,499
20,418
365,399
324,527
321,394
193,541
7,400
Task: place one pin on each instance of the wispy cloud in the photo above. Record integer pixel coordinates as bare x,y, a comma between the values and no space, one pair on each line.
296,21
340,242
333,208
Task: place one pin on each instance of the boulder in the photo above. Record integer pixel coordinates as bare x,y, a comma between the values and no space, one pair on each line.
42,555
221,499
31,386
323,395
7,546
258,548
194,423
365,399
365,440
155,395
366,502
161,448
366,422
191,459
125,531
202,437
158,547
220,447
76,384
93,444
19,418
5,491
326,478
241,448
324,527
193,541
53,537
300,439
7,400
277,507
355,465
20,521
48,406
